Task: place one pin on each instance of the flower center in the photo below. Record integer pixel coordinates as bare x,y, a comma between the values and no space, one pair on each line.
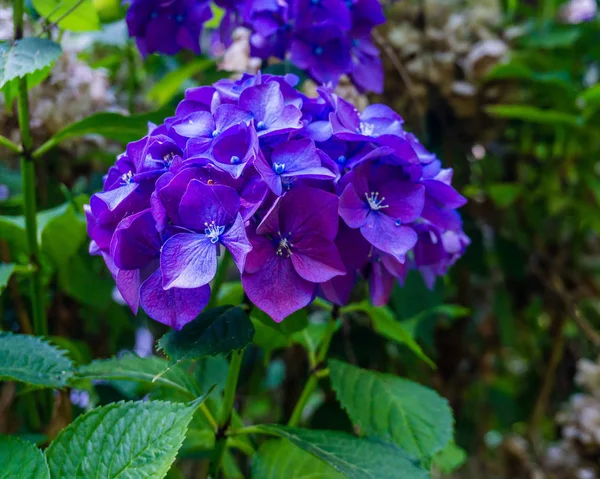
235,160
213,231
318,51
284,247
375,202
261,125
215,133
279,168
342,160
127,178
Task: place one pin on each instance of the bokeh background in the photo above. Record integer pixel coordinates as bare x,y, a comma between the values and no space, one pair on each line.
505,92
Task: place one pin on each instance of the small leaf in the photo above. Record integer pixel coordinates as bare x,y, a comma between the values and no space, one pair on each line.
32,360
393,409
216,331
450,459
293,323
279,458
6,271
125,439
61,231
531,114
73,15
355,458
12,229
20,458
504,194
131,367
26,56
386,325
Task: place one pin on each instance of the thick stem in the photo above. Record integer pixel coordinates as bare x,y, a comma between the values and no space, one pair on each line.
226,411
313,380
40,326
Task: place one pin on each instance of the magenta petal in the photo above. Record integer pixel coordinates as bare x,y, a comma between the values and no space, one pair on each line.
200,123
174,307
338,289
305,210
135,242
353,209
277,289
317,259
381,231
188,260
128,284
236,242
404,200
265,102
381,283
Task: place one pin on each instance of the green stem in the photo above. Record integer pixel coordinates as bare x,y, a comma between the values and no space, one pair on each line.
9,144
220,278
226,411
40,326
313,380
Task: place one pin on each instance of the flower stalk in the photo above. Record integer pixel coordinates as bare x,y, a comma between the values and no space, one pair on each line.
40,326
226,411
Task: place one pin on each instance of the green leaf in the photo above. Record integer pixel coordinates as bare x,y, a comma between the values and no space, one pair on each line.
131,367
115,126
293,323
125,439
504,194
74,15
216,331
387,326
32,360
61,231
279,458
531,114
355,458
11,89
26,56
6,271
20,458
12,229
394,409
170,84
218,14
450,459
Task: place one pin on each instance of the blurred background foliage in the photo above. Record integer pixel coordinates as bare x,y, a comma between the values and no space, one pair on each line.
507,93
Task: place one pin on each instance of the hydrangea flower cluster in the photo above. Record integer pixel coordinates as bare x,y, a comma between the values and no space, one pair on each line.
306,195
326,38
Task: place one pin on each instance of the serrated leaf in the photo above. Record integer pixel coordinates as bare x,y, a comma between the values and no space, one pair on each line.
131,367
279,458
6,271
394,409
355,458
73,15
387,326
125,439
32,360
26,56
216,331
20,458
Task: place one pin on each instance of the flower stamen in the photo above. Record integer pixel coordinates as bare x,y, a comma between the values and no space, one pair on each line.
376,203
213,231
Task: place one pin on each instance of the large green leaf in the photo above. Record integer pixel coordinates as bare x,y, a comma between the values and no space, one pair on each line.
355,458
131,367
74,15
125,439
32,360
26,56
6,271
279,458
393,409
450,459
110,125
386,325
12,229
20,458
216,331
170,84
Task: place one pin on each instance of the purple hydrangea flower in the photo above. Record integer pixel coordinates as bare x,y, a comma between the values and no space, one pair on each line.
308,195
167,26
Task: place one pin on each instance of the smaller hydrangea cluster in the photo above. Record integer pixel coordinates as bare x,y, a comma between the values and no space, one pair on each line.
326,38
306,195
